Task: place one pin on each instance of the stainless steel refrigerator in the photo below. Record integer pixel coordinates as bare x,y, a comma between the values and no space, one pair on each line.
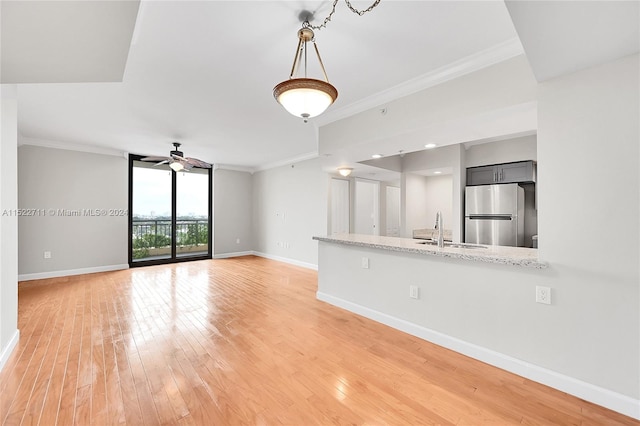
494,215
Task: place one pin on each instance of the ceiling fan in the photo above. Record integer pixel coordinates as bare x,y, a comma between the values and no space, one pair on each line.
177,161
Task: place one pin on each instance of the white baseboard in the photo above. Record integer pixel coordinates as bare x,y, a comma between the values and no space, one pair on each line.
267,256
287,260
595,394
68,272
235,254
6,353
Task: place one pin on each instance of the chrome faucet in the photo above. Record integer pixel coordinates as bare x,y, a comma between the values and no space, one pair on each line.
440,229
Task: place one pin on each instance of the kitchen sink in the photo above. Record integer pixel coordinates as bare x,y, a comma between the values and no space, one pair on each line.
464,245
451,245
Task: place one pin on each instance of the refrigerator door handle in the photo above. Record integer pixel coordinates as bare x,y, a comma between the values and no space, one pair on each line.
490,217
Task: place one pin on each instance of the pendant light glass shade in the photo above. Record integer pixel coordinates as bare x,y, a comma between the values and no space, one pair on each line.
305,97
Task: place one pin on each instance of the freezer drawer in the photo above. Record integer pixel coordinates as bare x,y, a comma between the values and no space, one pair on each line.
492,230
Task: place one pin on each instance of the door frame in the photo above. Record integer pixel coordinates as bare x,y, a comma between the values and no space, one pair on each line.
173,258
376,204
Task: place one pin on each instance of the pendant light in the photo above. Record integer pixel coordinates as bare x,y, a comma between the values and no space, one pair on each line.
303,96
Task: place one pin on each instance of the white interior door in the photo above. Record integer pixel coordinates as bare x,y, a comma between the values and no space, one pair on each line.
393,211
339,206
367,205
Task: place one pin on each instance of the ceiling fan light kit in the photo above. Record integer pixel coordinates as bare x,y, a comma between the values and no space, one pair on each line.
309,97
176,166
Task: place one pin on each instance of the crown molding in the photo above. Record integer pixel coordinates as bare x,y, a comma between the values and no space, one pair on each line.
234,168
475,62
92,149
286,162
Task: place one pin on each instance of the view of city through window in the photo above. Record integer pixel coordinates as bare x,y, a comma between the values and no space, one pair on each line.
152,214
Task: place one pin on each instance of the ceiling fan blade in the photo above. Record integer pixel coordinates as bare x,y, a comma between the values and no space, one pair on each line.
187,162
154,158
198,163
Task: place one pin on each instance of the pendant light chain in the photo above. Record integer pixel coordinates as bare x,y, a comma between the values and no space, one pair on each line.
306,24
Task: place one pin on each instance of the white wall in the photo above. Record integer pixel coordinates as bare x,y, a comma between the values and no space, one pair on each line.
414,188
588,153
465,109
587,342
232,212
506,151
439,195
339,202
290,207
54,179
8,222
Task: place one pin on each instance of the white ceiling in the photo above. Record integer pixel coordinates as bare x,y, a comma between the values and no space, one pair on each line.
202,72
65,42
561,37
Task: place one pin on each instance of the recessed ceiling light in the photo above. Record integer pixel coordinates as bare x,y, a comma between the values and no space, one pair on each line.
376,156
437,172
430,145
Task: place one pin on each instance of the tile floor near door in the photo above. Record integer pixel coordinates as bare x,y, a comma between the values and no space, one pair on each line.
244,341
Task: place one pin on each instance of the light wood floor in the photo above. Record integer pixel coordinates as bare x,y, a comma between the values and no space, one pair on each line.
244,341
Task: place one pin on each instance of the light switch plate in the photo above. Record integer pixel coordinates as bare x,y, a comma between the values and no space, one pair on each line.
414,292
365,263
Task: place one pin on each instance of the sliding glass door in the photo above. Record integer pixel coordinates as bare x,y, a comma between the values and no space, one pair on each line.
192,213
170,218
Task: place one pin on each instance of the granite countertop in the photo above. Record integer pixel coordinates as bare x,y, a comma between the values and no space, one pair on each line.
516,256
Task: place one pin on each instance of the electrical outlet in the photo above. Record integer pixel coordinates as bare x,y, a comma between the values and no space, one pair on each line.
365,263
47,255
414,292
543,295
237,240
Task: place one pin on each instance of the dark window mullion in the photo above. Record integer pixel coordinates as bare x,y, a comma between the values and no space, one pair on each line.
174,215
210,194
